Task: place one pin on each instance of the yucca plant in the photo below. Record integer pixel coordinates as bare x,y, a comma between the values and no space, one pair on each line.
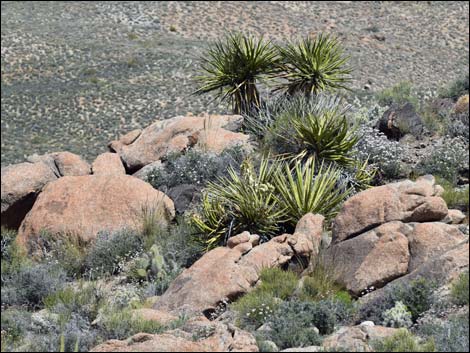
307,187
326,135
233,67
237,203
314,65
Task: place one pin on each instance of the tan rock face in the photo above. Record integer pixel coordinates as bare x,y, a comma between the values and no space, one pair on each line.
21,183
430,240
373,258
108,163
404,201
70,164
84,205
211,133
307,236
223,274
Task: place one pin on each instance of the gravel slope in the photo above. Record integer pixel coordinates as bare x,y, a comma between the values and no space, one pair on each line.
77,74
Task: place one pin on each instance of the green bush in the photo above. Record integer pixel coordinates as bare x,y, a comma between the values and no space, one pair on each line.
403,341
401,93
233,67
254,309
456,89
314,65
12,257
454,197
123,324
277,282
398,316
110,251
460,290
15,324
321,284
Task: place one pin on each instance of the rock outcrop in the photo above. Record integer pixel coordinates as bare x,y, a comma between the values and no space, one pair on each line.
390,231
82,206
235,270
108,163
211,133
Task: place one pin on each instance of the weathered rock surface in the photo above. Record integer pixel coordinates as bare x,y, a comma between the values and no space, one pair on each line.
85,205
373,258
307,236
356,338
223,274
215,337
405,201
144,172
211,133
399,120
108,163
63,163
21,183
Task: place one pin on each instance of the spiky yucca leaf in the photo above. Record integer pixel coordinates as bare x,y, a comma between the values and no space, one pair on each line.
233,66
305,188
238,203
314,65
327,135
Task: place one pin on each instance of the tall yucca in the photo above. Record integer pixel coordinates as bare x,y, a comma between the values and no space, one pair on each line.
314,65
233,66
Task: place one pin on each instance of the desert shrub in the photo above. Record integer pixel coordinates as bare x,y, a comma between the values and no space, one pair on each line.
110,251
238,203
460,290
401,93
380,152
14,326
256,307
398,316
312,65
12,257
277,282
402,341
294,322
417,295
457,125
454,197
305,188
122,324
373,309
83,300
446,159
233,66
320,283
195,167
450,335
67,251
456,89
30,284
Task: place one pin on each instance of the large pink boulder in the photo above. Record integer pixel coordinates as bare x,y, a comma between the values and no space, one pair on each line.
82,206
108,163
405,201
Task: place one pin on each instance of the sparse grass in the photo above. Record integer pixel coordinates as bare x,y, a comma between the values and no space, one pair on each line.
403,341
277,282
460,290
400,94
454,197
